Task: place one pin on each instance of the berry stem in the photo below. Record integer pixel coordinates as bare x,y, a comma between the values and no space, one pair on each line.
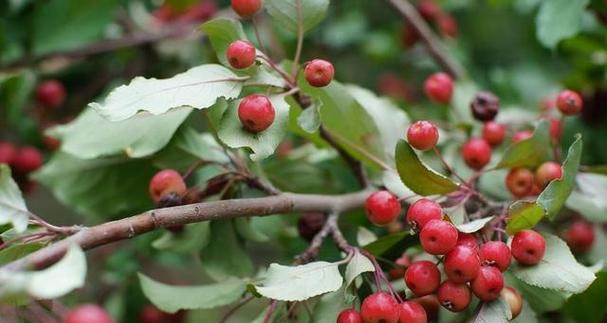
258,35
300,36
447,166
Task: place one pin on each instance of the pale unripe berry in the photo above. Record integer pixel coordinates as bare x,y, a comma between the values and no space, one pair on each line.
514,299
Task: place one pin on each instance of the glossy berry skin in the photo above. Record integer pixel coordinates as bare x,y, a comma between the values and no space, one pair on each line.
476,153
256,113
569,102
379,307
246,8
495,253
165,183
349,316
319,73
50,94
485,106
241,54
528,247
411,312
422,278
382,208
422,211
521,135
454,296
514,299
422,135
494,133
488,284
27,160
309,224
520,182
8,153
546,173
580,236
438,237
462,264
439,87
88,314
467,239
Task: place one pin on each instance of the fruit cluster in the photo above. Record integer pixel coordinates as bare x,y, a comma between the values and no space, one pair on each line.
190,13
22,161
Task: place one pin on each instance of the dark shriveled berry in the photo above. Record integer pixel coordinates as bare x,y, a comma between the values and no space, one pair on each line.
485,106
309,224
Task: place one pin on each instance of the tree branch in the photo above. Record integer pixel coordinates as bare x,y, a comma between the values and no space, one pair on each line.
91,237
408,11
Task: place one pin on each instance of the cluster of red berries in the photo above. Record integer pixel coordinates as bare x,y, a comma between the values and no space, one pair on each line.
523,182
23,161
197,12
434,15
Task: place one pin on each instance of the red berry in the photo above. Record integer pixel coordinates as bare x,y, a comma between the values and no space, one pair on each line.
495,253
422,211
488,284
319,73
50,94
569,102
462,264
520,182
438,237
447,25
200,12
430,304
454,296
309,224
467,239
256,113
429,10
382,207
494,133
546,173
422,135
580,236
409,35
422,278
28,159
166,182
349,316
476,153
556,129
522,135
514,299
439,87
150,314
379,307
528,247
412,312
8,153
485,106
241,54
88,314
246,8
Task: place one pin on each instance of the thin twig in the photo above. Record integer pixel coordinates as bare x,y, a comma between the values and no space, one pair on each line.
233,310
300,36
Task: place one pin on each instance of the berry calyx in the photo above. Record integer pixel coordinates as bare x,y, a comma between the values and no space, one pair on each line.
241,54
319,73
411,312
422,211
462,264
382,207
422,135
27,160
521,135
349,316
50,94
528,247
246,8
88,313
467,239
438,237
454,296
309,224
422,278
439,87
520,182
494,133
546,173
476,153
495,253
485,106
569,102
256,113
379,307
579,236
8,152
514,299
165,183
488,284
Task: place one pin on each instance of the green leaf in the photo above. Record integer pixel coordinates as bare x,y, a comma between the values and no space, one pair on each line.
365,236
298,283
92,136
358,265
329,306
61,25
309,119
262,144
497,311
419,177
383,244
222,32
171,299
527,314
541,300
187,147
15,91
225,257
286,12
597,169
530,152
558,20
193,238
17,251
245,229
523,215
198,87
589,306
474,226
12,205
588,198
558,270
